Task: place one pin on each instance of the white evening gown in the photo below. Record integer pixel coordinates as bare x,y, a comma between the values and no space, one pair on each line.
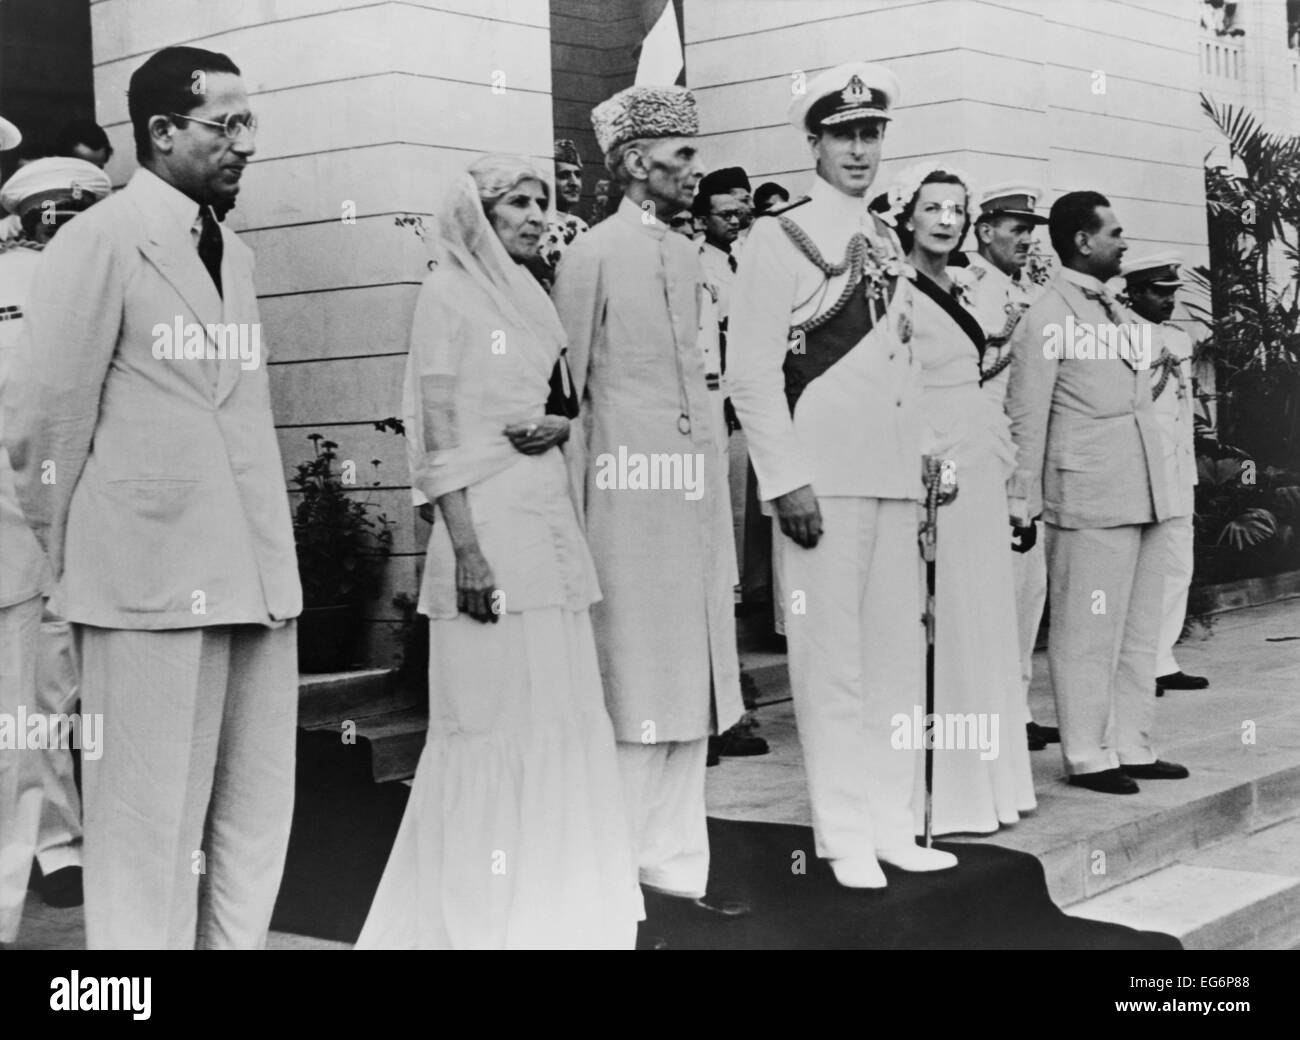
514,836
977,655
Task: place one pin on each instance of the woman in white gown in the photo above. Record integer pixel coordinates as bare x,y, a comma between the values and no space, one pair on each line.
982,776
514,835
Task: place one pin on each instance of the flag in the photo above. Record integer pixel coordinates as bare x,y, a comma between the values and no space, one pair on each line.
661,60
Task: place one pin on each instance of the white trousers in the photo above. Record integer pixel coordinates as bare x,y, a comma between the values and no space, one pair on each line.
1179,561
1029,570
663,790
20,771
187,811
1107,585
853,621
57,688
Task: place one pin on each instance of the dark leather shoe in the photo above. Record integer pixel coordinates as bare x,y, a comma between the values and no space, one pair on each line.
1105,781
1181,681
1157,770
1035,741
736,744
662,907
712,758
1047,734
63,888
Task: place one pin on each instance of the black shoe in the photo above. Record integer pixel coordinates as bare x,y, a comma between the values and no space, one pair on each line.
1181,681
63,888
1047,734
1106,781
1033,738
712,759
659,907
1157,770
736,744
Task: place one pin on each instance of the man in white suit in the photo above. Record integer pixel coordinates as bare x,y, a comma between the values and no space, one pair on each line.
825,383
170,538
1090,459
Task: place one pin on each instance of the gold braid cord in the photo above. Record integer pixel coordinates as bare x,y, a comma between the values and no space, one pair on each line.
1169,364
998,340
854,261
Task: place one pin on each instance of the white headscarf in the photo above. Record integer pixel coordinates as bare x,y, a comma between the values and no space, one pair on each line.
469,251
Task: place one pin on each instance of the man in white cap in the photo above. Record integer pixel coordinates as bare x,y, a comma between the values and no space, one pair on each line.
40,810
643,348
148,469
10,138
1152,283
824,382
1001,292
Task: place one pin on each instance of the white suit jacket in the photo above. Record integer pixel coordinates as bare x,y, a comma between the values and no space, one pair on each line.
154,485
1089,446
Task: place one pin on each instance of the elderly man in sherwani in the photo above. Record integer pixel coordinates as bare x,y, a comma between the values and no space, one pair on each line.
643,351
823,379
152,478
1091,460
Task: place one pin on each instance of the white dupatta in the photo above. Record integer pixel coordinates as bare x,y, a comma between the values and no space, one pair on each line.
477,299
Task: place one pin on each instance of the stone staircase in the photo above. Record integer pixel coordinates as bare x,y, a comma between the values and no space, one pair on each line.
389,716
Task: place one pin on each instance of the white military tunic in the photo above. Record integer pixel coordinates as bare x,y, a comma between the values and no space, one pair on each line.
1174,414
853,434
998,302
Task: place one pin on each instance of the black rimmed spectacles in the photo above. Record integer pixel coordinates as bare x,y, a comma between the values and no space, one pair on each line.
232,126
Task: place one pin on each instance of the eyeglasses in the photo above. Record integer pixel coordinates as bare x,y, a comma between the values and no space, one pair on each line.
231,126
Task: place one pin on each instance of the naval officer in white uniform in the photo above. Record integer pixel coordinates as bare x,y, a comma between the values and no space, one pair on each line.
824,381
1152,284
1001,292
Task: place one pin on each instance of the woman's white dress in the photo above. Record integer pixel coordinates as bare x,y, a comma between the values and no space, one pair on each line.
977,788
515,834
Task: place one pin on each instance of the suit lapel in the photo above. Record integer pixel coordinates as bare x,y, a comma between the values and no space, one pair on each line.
172,252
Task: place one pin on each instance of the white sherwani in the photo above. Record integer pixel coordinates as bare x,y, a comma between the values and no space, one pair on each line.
854,434
642,340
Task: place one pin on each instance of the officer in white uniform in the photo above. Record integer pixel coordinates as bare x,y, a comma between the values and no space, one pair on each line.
1152,284
824,382
40,811
1001,292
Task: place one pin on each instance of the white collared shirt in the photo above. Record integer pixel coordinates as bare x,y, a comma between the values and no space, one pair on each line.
179,207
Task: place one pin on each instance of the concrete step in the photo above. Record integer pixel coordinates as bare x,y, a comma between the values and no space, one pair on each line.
1243,894
396,739
329,698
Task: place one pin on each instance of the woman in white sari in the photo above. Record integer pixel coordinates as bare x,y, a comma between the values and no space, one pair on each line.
514,835
982,778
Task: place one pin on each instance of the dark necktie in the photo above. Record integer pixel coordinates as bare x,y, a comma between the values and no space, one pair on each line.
731,262
210,247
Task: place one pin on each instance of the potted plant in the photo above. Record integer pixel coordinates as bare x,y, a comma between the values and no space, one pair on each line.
342,541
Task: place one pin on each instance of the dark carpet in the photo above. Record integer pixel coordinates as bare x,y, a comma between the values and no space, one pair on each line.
344,825
994,898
